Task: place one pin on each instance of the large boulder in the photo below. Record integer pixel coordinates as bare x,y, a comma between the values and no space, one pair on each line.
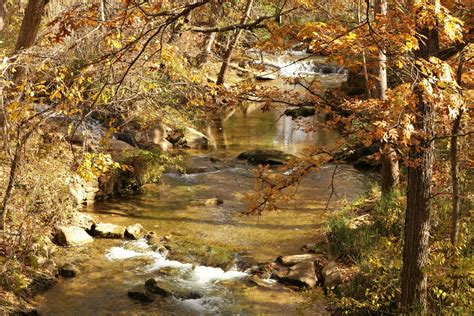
136,231
265,157
72,236
301,275
106,230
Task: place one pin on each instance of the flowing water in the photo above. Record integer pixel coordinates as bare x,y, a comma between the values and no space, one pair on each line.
110,268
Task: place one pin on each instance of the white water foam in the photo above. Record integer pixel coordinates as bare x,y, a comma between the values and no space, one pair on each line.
198,274
202,279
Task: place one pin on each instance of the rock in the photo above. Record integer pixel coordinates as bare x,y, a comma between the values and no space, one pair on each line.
83,191
213,201
44,247
153,239
84,221
72,236
294,259
169,271
266,76
265,157
195,139
152,286
141,296
154,135
135,232
255,279
335,274
118,146
301,274
160,288
363,220
68,270
304,111
105,230
127,138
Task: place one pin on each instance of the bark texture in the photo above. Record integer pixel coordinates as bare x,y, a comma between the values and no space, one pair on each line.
420,171
456,203
30,24
390,172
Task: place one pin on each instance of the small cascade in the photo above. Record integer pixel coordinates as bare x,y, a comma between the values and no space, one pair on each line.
195,278
296,64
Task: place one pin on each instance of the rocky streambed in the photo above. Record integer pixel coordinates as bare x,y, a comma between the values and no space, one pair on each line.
203,256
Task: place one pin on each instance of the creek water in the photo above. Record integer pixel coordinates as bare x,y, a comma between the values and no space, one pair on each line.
110,268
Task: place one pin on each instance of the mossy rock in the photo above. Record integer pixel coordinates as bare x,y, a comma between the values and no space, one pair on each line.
265,157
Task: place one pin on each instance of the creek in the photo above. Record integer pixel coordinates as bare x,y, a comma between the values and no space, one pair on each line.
110,268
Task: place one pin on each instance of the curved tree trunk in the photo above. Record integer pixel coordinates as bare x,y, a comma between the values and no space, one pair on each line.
420,171
233,44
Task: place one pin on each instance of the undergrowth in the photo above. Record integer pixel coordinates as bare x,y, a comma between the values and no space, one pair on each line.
375,246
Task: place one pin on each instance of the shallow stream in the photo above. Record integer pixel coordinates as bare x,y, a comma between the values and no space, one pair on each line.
110,268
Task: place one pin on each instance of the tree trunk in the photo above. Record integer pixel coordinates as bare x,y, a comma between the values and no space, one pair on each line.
102,10
233,44
381,10
216,12
390,170
30,24
420,170
456,203
364,58
2,14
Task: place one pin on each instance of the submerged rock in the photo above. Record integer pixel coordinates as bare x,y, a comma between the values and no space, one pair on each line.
136,231
304,111
265,157
165,290
68,270
301,275
72,236
153,286
105,230
141,296
255,279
